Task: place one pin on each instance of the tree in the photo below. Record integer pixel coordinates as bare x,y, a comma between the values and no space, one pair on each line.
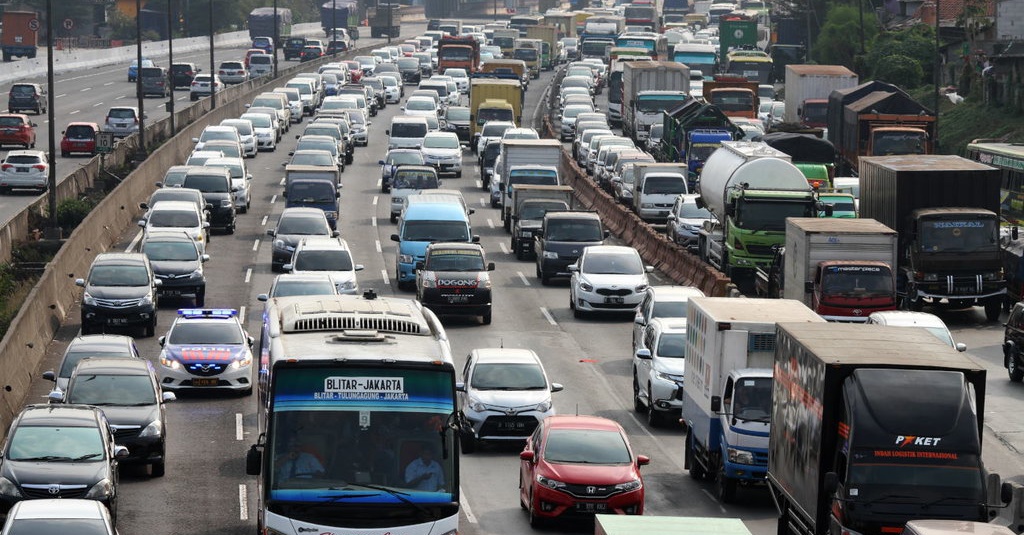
916,43
839,40
903,71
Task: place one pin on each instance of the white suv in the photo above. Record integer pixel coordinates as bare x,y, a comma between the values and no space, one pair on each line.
327,255
24,169
658,369
181,216
443,151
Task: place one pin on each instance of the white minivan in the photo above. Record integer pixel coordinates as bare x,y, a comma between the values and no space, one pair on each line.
406,132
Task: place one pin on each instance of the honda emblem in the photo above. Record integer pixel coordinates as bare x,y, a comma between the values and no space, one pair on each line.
591,490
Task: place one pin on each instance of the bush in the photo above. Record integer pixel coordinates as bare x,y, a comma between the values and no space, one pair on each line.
71,212
900,70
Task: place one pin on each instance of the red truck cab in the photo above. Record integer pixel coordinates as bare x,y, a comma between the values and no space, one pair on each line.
850,290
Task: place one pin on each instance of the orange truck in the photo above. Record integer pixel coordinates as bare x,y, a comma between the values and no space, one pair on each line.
18,39
734,95
462,52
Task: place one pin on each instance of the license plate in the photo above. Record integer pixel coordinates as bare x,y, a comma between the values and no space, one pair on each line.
457,298
171,293
512,425
591,507
613,300
22,170
208,381
117,321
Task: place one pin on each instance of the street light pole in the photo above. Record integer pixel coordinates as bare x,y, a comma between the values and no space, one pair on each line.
391,23
334,23
277,38
937,75
51,157
213,71
170,60
140,153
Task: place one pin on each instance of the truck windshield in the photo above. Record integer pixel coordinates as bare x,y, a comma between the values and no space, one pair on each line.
308,192
525,54
455,260
414,180
751,399
536,178
891,468
595,48
760,215
574,231
665,185
432,231
899,142
958,236
659,103
815,112
494,114
857,281
700,152
751,70
504,42
733,100
536,210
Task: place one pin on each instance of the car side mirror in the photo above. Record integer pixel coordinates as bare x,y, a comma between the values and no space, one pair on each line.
387,133
162,340
649,269
460,386
419,265
80,282
490,266
557,387
380,162
50,375
643,354
1014,233
145,206
263,297
607,233
335,233
643,460
120,452
475,239
526,456
204,258
142,222
168,396
253,460
55,396
961,347
574,268
157,283
359,267
716,403
286,267
270,232
395,238
195,140
206,224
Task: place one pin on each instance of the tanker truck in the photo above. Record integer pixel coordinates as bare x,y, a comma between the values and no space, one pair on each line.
751,189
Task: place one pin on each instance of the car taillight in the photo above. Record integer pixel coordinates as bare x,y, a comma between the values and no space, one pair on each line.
39,166
195,82
221,72
7,167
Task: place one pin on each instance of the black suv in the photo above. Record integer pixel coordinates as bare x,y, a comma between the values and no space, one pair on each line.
60,451
182,74
452,279
129,392
1013,343
215,183
293,47
120,291
562,238
26,97
177,263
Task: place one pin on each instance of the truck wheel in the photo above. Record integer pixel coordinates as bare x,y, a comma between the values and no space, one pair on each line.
638,405
696,469
725,487
993,307
1013,368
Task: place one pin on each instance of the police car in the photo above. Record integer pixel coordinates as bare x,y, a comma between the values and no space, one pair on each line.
207,349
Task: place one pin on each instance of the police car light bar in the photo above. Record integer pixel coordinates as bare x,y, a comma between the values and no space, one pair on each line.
207,312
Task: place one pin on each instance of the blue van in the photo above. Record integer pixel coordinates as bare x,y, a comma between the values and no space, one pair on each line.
315,193
422,224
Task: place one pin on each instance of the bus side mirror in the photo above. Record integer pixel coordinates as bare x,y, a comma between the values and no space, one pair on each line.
253,460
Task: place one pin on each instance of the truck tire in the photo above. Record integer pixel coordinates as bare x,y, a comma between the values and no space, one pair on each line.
993,307
725,487
1013,367
697,470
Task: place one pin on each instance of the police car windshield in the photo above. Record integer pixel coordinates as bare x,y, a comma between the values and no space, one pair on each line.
112,390
206,332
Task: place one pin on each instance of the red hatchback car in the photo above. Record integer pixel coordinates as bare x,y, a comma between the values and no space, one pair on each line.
355,70
579,466
17,129
79,137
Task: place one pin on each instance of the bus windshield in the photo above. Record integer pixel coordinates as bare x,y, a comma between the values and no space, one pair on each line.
358,436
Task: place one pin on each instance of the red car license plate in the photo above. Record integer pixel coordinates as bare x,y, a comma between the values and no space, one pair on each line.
591,507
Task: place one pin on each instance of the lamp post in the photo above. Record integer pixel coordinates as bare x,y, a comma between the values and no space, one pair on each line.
277,38
390,22
334,23
170,60
937,75
213,71
140,153
51,158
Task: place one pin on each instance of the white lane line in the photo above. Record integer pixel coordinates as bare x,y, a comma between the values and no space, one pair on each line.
256,244
63,95
282,181
377,242
84,89
712,498
134,242
241,314
479,184
503,247
483,202
239,435
375,200
108,83
119,97
384,273
373,221
490,222
526,282
465,506
243,503
98,104
263,222
273,199
547,316
73,112
248,275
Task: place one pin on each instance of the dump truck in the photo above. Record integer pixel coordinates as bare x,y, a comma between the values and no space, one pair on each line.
751,189
461,52
648,89
338,14
873,426
946,211
691,132
18,39
528,205
734,95
727,399
877,119
842,269
808,88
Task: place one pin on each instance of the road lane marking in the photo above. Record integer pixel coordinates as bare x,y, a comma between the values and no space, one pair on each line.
375,200
523,278
373,221
282,181
256,244
98,104
61,95
384,273
483,202
239,435
108,83
134,242
243,503
380,182
84,89
547,316
241,314
248,275
263,222
73,112
377,242
273,199
490,222
465,506
713,499
480,184
503,247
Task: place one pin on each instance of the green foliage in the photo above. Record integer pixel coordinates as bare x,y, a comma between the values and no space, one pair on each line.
71,212
839,40
121,26
13,293
900,70
916,43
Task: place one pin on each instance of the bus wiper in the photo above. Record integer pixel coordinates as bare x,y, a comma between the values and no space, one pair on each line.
396,493
339,497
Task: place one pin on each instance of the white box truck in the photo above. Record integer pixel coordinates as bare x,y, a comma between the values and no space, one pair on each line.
543,155
808,88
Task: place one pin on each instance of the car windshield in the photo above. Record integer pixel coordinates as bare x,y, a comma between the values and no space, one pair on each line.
692,211
303,226
586,446
304,88
455,260
665,185
260,121
578,231
303,287
80,132
57,526
312,157
494,130
508,376
458,114
121,113
242,127
408,179
173,218
420,105
434,231
672,346
205,332
56,444
441,142
170,251
328,146
207,183
405,158
408,130
408,64
72,358
337,260
119,275
319,191
613,264
101,389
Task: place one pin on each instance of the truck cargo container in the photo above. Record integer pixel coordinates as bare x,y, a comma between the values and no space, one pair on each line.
261,23
874,426
542,156
807,91
727,399
485,95
946,211
648,89
812,155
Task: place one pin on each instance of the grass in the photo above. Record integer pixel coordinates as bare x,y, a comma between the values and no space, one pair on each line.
959,124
